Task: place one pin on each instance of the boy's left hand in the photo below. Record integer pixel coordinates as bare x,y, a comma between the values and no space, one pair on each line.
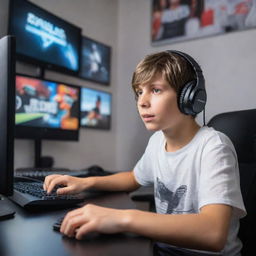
92,218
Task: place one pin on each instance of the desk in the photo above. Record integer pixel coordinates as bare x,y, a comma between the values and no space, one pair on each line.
31,234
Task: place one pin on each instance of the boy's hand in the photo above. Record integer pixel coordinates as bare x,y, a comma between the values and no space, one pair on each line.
73,185
92,218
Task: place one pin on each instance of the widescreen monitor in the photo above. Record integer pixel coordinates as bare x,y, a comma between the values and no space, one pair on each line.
95,61
43,38
95,109
46,109
7,108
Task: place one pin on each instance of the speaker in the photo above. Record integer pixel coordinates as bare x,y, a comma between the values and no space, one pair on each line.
192,96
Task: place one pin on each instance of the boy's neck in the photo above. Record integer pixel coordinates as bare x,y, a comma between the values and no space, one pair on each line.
180,136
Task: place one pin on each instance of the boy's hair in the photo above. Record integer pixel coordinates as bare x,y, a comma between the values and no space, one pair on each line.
176,70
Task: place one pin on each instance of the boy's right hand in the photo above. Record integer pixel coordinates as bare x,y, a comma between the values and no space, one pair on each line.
72,185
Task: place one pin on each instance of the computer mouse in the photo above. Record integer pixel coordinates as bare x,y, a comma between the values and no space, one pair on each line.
94,170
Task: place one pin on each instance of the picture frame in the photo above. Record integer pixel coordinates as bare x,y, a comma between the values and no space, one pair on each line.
95,109
180,20
95,61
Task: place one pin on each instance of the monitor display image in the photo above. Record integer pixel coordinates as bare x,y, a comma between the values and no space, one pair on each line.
46,109
95,61
43,38
95,109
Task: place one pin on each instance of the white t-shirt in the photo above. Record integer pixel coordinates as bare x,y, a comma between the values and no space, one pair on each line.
203,172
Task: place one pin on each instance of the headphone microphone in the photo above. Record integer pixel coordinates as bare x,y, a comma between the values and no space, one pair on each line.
192,97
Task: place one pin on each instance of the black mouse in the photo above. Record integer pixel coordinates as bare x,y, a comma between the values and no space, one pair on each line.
96,170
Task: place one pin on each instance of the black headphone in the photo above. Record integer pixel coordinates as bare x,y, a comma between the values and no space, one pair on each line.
192,97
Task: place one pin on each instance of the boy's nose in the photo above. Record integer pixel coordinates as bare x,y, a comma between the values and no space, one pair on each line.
144,100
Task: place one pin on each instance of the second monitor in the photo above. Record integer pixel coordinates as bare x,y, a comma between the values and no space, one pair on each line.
46,109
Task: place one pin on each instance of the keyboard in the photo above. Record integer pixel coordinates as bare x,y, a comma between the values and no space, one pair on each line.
41,173
29,193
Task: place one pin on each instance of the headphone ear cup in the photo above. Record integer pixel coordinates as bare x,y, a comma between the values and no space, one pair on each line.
185,104
199,101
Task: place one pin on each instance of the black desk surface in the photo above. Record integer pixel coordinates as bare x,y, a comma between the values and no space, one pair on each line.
31,234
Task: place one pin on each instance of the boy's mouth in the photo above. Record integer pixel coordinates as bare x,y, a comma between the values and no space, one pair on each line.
147,117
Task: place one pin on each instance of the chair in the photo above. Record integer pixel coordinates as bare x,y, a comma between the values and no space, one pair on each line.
240,127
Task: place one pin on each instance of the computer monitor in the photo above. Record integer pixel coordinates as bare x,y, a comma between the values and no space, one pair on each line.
7,109
95,108
95,61
46,109
43,38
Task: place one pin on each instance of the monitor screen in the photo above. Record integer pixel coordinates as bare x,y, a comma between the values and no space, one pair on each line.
46,109
7,109
43,38
95,61
95,108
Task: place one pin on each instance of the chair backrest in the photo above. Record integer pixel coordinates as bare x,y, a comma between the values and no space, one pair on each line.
240,127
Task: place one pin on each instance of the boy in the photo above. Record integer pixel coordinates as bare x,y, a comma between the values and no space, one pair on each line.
194,169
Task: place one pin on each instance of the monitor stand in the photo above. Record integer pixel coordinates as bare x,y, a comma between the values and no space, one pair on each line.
5,210
41,161
38,151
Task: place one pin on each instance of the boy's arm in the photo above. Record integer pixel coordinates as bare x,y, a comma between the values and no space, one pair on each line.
206,230
123,181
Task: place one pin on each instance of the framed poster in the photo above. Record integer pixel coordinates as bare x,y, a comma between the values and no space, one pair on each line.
179,20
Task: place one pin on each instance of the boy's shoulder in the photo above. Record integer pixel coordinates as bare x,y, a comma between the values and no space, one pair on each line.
213,138
209,133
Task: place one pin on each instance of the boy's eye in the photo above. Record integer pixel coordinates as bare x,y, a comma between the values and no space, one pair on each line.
138,92
156,90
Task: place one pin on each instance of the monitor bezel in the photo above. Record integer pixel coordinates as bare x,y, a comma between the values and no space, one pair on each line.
42,133
81,60
36,61
111,110
7,114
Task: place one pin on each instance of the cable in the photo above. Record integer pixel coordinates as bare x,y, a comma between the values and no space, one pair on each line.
204,117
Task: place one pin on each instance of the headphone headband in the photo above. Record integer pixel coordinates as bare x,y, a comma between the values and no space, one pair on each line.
195,66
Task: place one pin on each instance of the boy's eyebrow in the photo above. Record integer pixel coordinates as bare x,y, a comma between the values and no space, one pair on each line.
138,87
150,84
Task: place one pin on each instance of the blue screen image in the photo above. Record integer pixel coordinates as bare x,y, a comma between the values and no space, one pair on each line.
45,37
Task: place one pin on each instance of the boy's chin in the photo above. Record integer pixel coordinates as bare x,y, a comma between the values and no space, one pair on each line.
152,128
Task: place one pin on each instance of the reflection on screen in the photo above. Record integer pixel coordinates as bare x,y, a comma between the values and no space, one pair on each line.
45,37
95,108
41,103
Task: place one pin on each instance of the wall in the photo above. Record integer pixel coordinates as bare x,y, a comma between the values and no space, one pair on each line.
98,19
3,17
228,62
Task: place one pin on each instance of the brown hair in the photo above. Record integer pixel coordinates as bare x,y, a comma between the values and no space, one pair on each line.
175,70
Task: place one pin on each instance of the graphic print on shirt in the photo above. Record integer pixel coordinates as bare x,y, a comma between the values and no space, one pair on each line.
171,198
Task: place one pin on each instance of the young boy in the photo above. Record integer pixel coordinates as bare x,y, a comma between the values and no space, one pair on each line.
194,169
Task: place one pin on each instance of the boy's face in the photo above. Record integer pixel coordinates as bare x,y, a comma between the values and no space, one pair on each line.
157,105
